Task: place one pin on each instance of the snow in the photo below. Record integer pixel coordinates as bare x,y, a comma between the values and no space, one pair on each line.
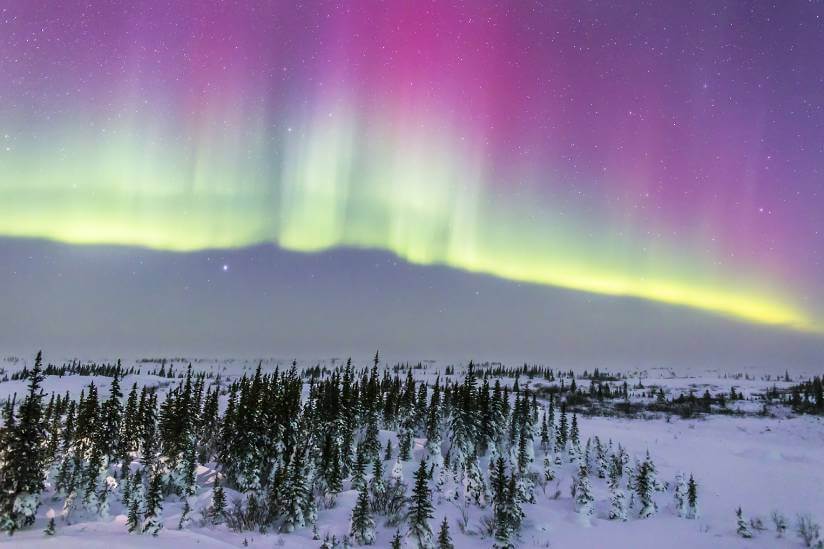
762,464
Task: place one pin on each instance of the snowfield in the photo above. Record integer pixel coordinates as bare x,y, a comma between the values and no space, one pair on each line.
764,463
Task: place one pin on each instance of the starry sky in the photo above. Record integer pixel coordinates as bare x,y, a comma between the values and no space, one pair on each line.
652,161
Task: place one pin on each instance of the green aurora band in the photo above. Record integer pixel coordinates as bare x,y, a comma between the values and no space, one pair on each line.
414,188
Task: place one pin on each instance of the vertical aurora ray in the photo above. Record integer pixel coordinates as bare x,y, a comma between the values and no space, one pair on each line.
408,129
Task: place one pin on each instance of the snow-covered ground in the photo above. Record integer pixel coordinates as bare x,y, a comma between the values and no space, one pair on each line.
761,463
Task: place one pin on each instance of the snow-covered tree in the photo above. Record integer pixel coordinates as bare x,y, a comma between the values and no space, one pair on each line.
681,504
472,486
584,500
617,498
645,488
742,527
692,499
549,469
154,506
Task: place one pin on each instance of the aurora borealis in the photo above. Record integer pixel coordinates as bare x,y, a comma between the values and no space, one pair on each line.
670,151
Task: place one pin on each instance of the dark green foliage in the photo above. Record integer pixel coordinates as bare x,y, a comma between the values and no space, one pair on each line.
420,507
22,453
444,540
363,525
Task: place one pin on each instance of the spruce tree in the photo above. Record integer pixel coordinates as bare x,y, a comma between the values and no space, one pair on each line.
154,506
444,540
420,509
544,433
334,477
218,504
112,415
742,527
377,487
602,463
362,527
681,495
561,435
516,514
23,457
617,498
405,445
359,471
133,518
574,433
692,499
645,488
584,500
371,445
508,515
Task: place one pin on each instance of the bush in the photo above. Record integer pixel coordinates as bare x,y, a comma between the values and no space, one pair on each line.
808,530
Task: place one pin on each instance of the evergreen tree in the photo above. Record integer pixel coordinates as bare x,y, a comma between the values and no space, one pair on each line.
444,540
405,445
112,415
22,457
359,471
154,506
508,515
420,509
397,541
574,433
584,500
363,525
133,518
377,487
680,495
602,463
692,499
645,488
742,527
545,440
617,498
334,477
497,481
561,435
218,504
371,445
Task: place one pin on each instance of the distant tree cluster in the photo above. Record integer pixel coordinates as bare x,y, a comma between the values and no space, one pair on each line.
808,397
76,368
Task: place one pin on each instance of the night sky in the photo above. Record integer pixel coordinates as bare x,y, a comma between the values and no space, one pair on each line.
585,181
